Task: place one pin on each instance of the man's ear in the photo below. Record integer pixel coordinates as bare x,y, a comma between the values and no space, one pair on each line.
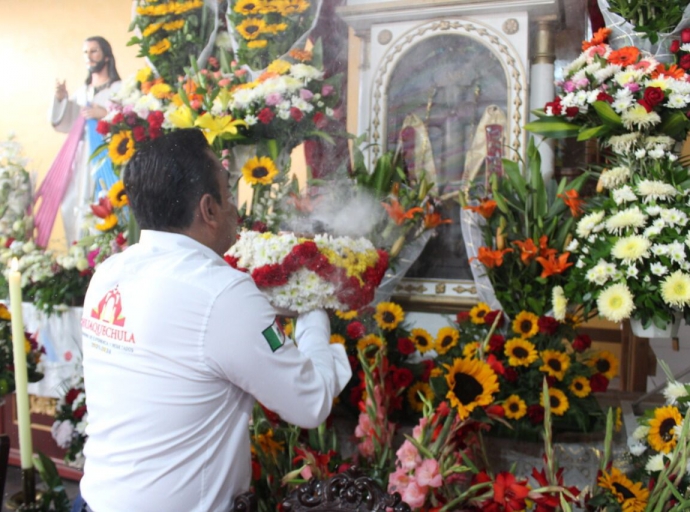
208,209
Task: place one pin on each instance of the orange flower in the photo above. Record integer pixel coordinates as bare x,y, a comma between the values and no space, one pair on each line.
553,265
625,56
398,213
301,55
490,258
544,250
599,38
267,75
672,71
485,209
528,251
433,219
146,86
572,199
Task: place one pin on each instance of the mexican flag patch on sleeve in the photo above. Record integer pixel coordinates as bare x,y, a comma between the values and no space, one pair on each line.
274,336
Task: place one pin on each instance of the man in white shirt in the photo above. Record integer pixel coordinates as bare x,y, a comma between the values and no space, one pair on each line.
178,345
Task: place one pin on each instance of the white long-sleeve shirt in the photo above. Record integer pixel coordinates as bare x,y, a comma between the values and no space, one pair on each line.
177,345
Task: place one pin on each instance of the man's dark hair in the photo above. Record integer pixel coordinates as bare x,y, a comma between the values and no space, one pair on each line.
167,177
107,50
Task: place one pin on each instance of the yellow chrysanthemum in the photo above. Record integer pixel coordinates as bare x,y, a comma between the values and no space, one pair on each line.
559,303
662,428
121,147
259,171
580,387
557,400
556,363
108,223
520,352
144,74
478,312
631,248
422,340
160,91
251,28
249,7
604,362
160,47
631,496
117,195
675,289
446,338
151,29
471,384
470,350
172,26
337,338
346,315
413,392
257,44
5,313
388,315
279,66
268,444
514,407
616,302
370,340
526,324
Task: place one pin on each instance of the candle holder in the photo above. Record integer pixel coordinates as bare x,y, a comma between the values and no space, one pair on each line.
25,500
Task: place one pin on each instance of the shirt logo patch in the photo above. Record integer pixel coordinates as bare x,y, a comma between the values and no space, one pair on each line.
274,336
109,309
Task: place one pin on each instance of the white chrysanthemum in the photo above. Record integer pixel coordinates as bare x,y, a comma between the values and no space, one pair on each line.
659,249
662,82
680,87
656,190
675,390
658,269
242,98
601,272
622,144
653,210
623,195
675,289
641,432
674,216
616,303
635,447
632,218
631,271
631,248
305,71
612,178
677,100
559,302
587,224
622,104
655,463
676,251
637,117
573,245
627,75
659,140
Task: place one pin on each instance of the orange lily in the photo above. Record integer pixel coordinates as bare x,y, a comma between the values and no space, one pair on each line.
398,213
103,209
490,258
544,250
553,265
485,209
528,250
598,38
572,199
433,219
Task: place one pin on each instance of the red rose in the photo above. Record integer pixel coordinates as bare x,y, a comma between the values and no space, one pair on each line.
571,111
266,115
536,414
599,383
602,96
491,316
155,118
582,342
675,46
462,317
405,346
654,95
355,330
139,133
79,412
259,226
103,127
497,343
296,114
547,325
402,377
117,118
685,62
685,35
71,395
320,120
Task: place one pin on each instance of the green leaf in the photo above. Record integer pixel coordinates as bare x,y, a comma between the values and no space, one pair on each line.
322,135
608,116
553,127
596,131
514,174
675,124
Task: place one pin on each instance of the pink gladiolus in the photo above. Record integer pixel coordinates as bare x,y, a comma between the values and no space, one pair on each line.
428,474
398,481
306,472
414,495
224,82
366,447
417,430
408,456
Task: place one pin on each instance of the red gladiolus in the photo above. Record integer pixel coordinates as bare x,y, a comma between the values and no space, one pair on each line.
427,366
509,493
320,120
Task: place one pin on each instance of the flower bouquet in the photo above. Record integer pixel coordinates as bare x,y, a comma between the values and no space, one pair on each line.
300,274
71,417
31,347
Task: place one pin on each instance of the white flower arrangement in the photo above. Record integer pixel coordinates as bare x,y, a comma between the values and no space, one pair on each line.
15,193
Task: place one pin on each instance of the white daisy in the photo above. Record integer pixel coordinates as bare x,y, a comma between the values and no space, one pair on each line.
658,269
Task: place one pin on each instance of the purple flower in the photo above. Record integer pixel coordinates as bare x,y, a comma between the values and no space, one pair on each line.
274,99
326,90
632,86
91,257
306,94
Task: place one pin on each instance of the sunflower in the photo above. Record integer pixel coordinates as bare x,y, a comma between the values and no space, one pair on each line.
413,395
422,340
108,223
470,350
478,312
160,47
388,315
604,362
257,44
337,338
555,363
471,383
121,147
520,352
346,315
631,496
259,170
514,407
251,28
5,313
117,195
248,7
526,324
290,7
557,400
446,339
662,435
172,26
368,341
580,387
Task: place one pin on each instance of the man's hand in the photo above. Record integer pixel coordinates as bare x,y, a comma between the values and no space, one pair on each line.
60,90
94,112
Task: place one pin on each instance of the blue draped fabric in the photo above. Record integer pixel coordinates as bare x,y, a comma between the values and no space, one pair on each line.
103,175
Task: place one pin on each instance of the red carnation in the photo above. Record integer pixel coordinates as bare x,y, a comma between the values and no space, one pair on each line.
103,127
296,114
259,226
269,276
117,118
602,96
402,377
231,260
599,383
139,133
571,111
155,132
497,343
491,316
156,119
555,106
266,115
462,316
79,412
547,325
131,119
355,330
405,346
71,395
536,414
675,46
582,342
427,366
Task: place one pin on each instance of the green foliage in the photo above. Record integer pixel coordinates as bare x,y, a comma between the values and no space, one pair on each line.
54,498
650,16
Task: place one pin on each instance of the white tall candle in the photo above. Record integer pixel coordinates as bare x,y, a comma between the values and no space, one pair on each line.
20,373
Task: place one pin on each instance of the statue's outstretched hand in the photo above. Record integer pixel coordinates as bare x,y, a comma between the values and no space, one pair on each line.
60,90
